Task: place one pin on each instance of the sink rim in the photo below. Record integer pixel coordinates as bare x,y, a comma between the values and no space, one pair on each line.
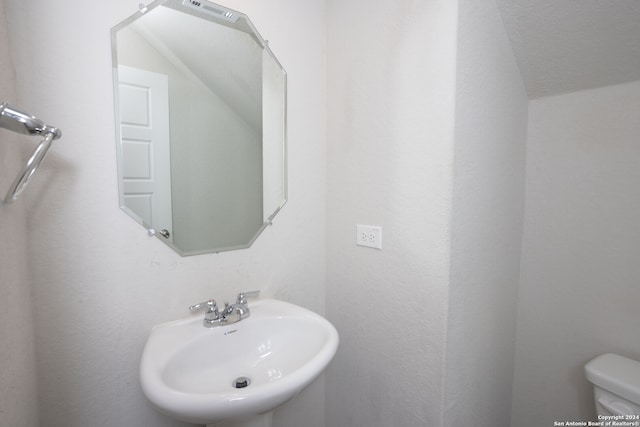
167,339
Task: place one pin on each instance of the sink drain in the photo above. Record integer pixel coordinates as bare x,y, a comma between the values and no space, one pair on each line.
241,382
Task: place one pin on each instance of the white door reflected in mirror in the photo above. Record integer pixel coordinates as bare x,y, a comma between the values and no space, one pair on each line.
144,146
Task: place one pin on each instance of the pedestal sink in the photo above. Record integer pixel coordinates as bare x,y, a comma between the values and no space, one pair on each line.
235,375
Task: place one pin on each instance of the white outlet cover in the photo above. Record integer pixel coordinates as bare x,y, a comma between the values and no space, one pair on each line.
369,236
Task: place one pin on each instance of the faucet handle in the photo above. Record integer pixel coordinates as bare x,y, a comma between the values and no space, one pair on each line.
210,304
242,296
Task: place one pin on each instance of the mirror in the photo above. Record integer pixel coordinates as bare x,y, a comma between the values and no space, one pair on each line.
200,106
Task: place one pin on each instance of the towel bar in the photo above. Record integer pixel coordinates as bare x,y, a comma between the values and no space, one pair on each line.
21,122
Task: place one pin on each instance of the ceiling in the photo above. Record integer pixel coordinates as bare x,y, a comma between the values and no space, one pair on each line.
569,45
224,59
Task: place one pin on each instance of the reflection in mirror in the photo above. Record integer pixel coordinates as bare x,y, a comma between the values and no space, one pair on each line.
201,125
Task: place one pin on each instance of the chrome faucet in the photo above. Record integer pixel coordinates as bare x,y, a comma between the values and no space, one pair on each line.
229,314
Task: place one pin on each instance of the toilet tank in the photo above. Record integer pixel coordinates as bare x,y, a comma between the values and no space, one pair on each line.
616,381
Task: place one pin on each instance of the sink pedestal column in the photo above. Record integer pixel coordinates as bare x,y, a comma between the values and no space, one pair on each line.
264,420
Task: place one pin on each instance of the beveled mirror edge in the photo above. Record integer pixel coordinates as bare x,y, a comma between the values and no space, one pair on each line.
285,145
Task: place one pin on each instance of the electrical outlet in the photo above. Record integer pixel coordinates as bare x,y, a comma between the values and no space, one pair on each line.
369,235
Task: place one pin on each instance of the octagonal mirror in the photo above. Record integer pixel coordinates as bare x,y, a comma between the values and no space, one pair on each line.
200,107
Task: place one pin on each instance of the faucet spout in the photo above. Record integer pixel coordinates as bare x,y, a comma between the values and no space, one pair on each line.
234,312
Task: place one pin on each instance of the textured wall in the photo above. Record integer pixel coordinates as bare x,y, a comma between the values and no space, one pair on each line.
100,283
18,385
391,75
488,210
579,288
570,45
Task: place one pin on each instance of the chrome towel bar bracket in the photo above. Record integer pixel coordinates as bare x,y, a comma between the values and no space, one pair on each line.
23,123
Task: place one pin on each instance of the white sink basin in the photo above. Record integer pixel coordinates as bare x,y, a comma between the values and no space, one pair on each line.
189,372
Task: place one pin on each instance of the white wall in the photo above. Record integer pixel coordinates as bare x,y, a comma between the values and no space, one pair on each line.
18,384
100,283
579,288
391,76
488,209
